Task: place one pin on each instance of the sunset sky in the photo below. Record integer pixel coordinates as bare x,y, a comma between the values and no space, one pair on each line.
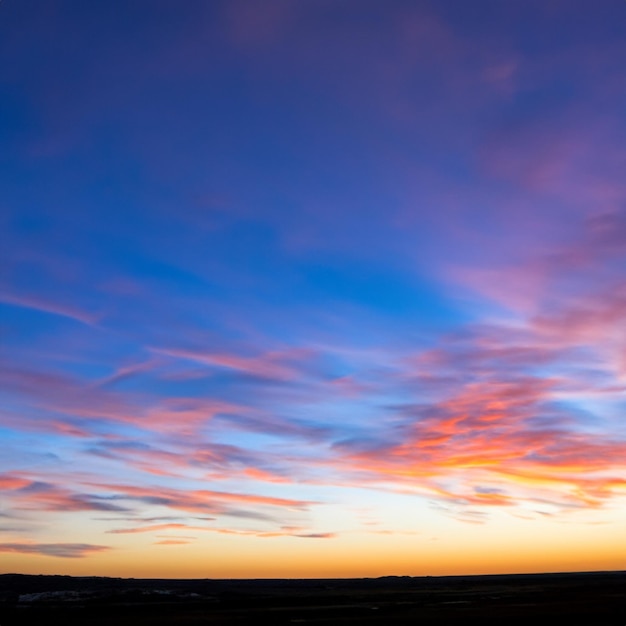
312,288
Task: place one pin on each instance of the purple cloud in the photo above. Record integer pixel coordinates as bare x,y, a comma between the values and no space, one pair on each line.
60,550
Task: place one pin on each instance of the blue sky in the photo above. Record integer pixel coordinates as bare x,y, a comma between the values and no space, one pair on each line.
351,272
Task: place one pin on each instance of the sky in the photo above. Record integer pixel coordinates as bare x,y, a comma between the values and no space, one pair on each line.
312,288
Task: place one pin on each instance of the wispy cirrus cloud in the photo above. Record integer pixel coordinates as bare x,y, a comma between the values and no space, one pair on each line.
156,528
46,496
37,303
558,276
76,403
285,531
279,365
200,500
24,494
282,531
59,550
220,461
80,407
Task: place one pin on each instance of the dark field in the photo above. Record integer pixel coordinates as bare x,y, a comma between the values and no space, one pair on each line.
567,599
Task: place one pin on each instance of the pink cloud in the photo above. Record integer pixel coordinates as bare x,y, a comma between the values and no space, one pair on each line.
200,500
39,304
519,289
279,365
349,386
128,371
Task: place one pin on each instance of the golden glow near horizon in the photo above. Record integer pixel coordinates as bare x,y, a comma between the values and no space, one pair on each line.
414,541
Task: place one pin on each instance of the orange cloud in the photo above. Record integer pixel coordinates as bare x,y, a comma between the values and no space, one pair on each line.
494,433
285,531
264,475
155,528
11,482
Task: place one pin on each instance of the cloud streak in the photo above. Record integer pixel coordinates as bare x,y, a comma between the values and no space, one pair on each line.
38,304
59,550
155,528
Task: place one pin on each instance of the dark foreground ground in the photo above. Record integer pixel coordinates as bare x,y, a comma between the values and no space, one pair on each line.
596,599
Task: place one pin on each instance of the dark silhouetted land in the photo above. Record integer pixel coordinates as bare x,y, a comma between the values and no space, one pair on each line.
597,599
